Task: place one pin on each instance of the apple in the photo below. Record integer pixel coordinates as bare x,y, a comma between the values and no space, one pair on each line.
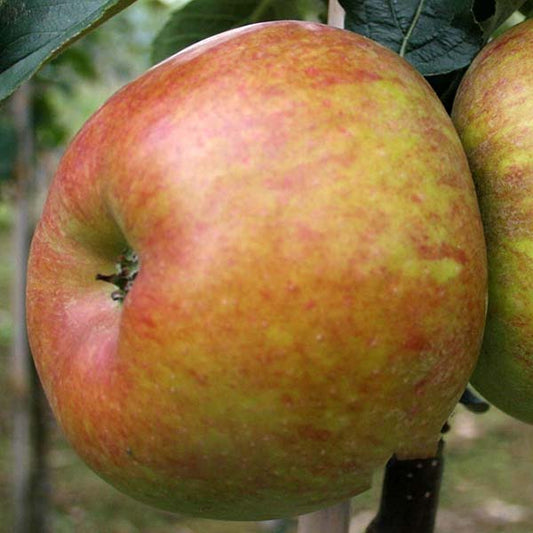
493,113
297,273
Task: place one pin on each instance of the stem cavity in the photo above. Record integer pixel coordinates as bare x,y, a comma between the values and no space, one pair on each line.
127,268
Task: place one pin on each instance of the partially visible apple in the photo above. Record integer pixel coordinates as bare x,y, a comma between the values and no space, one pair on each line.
312,279
493,112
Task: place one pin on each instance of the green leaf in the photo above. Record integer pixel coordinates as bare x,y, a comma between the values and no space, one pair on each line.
200,19
492,14
527,9
32,31
435,36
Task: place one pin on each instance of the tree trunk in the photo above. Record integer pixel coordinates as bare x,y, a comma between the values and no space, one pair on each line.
29,423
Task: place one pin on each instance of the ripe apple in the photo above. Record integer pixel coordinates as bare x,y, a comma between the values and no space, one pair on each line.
309,293
493,112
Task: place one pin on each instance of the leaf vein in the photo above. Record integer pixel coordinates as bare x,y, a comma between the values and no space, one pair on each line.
411,28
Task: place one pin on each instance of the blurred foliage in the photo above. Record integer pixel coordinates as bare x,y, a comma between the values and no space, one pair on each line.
516,18
68,89
8,146
527,9
6,216
6,322
491,14
198,19
73,85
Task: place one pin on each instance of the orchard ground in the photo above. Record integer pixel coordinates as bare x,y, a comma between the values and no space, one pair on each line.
487,487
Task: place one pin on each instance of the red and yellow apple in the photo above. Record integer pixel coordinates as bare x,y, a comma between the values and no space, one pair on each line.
493,112
311,282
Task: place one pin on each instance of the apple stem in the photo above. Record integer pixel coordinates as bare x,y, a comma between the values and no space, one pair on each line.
126,271
410,495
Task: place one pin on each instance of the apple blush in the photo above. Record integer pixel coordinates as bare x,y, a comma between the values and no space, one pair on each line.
493,113
260,272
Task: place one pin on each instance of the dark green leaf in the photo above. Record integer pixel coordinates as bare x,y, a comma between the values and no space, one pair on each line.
492,13
200,19
527,9
32,31
436,36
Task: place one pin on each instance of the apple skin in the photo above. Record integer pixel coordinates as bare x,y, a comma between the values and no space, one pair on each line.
493,113
312,283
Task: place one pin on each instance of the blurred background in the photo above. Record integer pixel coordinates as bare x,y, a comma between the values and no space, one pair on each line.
488,476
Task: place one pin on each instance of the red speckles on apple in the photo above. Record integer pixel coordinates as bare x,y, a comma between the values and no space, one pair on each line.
510,41
331,76
421,386
293,288
309,432
287,400
199,378
441,251
367,75
417,342
282,272
310,304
